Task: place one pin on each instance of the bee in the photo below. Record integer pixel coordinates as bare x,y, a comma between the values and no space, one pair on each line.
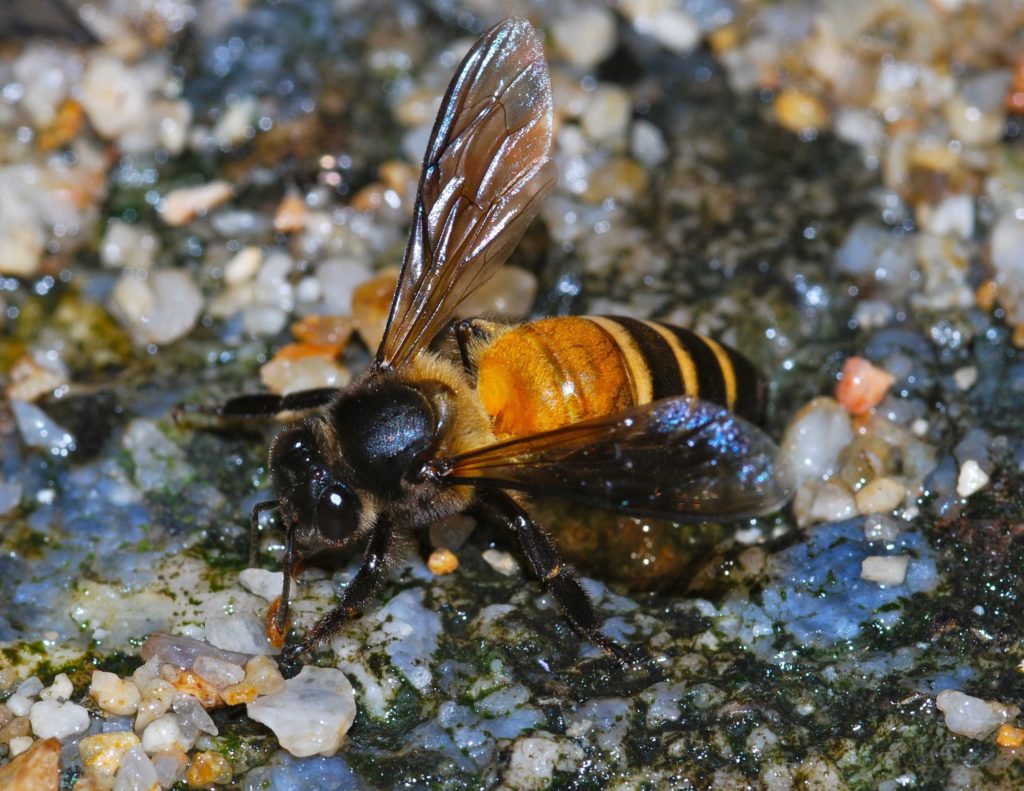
637,417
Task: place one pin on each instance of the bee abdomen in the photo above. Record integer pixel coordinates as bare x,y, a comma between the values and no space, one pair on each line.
665,360
558,371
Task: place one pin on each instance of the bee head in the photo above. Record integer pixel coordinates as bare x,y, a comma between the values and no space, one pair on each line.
323,511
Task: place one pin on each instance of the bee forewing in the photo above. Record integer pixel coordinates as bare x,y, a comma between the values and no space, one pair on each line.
680,458
485,174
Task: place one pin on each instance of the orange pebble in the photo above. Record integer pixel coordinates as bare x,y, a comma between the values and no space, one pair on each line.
242,692
324,330
1009,736
198,687
442,561
291,214
275,635
371,304
863,385
209,768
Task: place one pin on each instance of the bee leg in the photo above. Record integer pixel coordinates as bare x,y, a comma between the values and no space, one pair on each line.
559,578
465,332
376,562
254,528
253,406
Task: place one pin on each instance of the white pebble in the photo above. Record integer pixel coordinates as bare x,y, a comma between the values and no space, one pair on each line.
128,245
51,718
218,672
586,37
235,124
243,633
19,744
137,772
880,528
263,320
39,431
164,733
607,114
972,479
170,765
312,714
647,143
243,266
159,309
113,96
19,705
60,689
532,763
880,495
813,440
113,693
953,216
823,501
502,562
10,496
965,377
192,715
181,205
664,21
885,569
265,584
973,717
1007,250
338,279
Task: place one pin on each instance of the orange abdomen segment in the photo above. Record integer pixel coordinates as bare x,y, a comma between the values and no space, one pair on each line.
550,373
558,371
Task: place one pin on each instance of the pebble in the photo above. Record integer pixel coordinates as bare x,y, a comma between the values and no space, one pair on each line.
954,216
371,304
607,114
30,381
243,266
1009,736
665,22
815,437
619,179
262,677
532,764
60,689
311,714
181,651
264,321
291,214
10,496
36,769
235,123
261,582
800,111
881,495
823,501
19,705
170,766
324,330
113,693
39,431
972,479
164,733
502,562
20,744
191,683
209,768
881,528
973,717
192,717
113,96
339,278
102,754
217,671
304,366
128,245
186,203
885,569
442,561
976,115
137,772
239,633
585,38
863,385
1007,252
51,718
160,308
647,143
509,294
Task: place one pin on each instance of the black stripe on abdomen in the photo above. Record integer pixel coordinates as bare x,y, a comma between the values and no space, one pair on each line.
659,359
711,384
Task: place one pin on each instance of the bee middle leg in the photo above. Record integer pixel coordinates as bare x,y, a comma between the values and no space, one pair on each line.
256,406
556,574
379,555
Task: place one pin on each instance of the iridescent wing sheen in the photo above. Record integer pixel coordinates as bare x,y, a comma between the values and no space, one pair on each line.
485,174
679,458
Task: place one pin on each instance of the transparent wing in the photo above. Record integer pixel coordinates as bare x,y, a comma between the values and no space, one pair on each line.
678,459
485,175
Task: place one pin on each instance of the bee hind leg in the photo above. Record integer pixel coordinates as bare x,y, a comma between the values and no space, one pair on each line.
256,406
465,332
559,578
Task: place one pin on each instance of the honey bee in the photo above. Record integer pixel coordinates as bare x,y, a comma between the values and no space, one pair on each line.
634,416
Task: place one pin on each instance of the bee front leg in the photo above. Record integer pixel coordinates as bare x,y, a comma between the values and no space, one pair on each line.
559,578
256,406
380,553
465,332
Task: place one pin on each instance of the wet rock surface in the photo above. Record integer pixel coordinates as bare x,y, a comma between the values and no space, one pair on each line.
796,180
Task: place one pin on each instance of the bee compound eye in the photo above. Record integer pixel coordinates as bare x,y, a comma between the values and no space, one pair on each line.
337,513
